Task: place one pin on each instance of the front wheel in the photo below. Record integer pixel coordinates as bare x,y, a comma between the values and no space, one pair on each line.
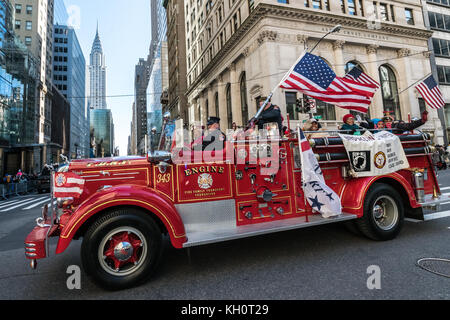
383,213
121,249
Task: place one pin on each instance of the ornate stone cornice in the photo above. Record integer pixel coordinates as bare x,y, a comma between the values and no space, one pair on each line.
266,35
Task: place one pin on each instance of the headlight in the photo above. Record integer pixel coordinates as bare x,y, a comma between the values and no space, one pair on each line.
64,202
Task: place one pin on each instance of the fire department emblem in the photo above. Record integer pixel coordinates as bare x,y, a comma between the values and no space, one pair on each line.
380,160
60,180
205,181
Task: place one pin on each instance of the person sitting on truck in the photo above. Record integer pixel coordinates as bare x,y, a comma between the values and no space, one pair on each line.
400,126
313,125
214,138
349,126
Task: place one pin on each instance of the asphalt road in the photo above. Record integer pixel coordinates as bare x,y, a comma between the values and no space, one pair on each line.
325,262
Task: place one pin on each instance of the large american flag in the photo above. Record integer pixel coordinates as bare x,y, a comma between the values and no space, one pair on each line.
312,76
431,93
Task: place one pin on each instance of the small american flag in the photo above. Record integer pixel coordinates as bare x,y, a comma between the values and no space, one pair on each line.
312,76
358,75
431,93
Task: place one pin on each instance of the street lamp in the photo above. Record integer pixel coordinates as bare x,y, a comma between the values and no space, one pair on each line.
337,28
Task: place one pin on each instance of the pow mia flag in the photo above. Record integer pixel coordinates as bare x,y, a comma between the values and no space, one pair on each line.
360,160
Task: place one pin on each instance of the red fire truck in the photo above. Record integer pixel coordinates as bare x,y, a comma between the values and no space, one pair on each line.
128,204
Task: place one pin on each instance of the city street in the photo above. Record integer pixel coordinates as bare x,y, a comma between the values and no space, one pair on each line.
325,262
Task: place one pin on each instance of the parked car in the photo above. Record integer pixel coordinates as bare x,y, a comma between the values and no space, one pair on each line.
43,181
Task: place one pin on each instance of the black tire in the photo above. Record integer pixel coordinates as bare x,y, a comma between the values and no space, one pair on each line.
383,213
114,224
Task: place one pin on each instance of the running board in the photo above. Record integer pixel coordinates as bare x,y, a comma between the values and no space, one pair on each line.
205,236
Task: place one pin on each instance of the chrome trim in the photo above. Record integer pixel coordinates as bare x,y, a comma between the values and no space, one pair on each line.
30,250
40,222
31,255
30,245
125,173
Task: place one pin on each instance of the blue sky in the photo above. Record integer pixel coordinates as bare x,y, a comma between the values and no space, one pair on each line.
124,28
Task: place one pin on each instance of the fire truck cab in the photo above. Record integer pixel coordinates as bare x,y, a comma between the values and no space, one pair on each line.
251,187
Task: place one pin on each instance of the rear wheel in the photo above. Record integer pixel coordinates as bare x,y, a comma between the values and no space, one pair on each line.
383,213
121,249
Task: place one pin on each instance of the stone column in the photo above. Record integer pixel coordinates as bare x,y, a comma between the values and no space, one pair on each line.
407,99
376,108
235,96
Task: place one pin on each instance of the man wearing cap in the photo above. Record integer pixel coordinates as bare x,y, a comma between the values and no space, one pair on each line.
214,139
350,126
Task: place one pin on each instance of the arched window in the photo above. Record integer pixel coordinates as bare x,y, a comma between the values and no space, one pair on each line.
389,91
229,106
351,64
244,105
216,104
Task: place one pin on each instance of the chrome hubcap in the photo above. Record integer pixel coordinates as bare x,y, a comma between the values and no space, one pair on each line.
122,251
385,212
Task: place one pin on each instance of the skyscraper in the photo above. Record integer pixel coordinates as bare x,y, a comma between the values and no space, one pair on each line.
101,121
69,76
155,61
97,75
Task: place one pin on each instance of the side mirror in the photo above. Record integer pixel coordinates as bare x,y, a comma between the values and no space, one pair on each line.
159,156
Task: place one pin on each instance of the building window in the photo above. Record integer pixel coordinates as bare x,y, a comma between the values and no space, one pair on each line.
251,5
389,91
18,23
18,8
409,15
291,105
351,7
317,4
229,106
284,1
244,105
384,12
28,41
29,25
216,104
29,9
441,47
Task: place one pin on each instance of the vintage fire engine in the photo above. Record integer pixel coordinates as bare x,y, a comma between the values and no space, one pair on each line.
128,204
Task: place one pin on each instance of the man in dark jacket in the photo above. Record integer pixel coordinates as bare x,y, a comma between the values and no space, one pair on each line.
215,139
400,126
271,113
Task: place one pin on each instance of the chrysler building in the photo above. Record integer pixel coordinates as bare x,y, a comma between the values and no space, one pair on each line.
97,73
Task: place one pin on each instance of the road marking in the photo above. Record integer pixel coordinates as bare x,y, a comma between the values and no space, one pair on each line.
437,215
21,204
13,202
446,188
36,204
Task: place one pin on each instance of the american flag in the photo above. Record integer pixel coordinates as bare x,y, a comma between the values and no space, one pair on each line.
312,76
431,93
358,75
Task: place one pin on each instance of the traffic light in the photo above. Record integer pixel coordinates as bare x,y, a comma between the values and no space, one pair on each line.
303,105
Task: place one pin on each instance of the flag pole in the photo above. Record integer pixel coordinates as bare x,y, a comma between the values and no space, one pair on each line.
414,83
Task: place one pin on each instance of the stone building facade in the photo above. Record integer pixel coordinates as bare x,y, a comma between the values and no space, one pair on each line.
239,50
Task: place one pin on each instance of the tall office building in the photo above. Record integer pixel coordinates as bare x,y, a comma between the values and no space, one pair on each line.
18,119
97,75
140,103
156,62
34,26
101,121
177,68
